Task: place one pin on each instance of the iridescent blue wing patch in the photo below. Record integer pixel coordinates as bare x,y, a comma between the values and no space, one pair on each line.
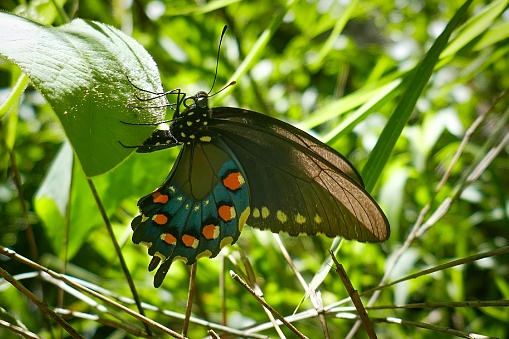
200,208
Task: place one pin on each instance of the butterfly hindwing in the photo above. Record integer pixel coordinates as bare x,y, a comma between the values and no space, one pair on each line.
200,208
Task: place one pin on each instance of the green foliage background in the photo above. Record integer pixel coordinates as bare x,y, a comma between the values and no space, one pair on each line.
338,70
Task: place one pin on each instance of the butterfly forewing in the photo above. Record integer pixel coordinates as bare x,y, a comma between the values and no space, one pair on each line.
298,190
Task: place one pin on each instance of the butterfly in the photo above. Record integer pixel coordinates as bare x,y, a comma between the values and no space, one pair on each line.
239,167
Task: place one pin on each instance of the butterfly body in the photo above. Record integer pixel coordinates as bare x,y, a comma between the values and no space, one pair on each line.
238,166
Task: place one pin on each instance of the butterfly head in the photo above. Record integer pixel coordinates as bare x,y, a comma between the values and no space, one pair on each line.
194,102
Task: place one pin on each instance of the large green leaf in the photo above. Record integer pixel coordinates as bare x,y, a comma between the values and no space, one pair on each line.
83,70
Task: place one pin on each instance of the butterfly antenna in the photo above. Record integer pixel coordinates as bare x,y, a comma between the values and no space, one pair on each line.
222,89
217,58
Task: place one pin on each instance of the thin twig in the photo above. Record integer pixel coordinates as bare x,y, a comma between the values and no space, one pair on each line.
449,304
32,243
19,330
129,327
354,295
213,334
475,169
436,328
40,304
251,282
190,297
123,264
315,300
266,305
164,311
13,255
222,289
462,261
464,141
16,178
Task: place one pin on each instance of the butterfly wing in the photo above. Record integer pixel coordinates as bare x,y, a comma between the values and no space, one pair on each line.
201,207
298,184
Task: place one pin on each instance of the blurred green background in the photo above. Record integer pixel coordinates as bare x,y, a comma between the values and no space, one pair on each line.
333,68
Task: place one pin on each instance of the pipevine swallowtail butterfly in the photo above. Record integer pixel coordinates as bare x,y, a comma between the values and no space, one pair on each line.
238,166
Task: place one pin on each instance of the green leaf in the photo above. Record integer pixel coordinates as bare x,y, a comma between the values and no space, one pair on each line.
84,70
414,84
56,185
52,199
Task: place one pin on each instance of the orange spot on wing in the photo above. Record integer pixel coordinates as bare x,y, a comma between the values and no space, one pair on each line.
233,181
210,232
160,219
189,241
160,198
169,239
226,212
